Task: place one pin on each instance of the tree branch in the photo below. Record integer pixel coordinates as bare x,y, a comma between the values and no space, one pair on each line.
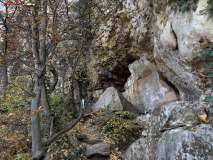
55,78
64,130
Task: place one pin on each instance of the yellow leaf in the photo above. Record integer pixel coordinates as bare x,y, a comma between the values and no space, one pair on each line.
8,99
202,117
10,114
204,102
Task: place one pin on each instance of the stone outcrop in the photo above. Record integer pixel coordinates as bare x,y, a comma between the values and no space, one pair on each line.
178,41
146,88
122,32
171,42
115,101
175,132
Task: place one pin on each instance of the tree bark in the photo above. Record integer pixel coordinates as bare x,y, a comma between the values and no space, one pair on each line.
35,121
45,102
39,54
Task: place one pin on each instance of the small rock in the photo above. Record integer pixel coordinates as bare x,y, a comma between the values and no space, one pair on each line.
73,140
98,149
144,133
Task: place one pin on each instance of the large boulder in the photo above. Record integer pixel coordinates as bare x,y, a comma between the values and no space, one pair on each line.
175,132
115,100
136,150
146,88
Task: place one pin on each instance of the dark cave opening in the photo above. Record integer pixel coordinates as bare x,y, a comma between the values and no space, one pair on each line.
117,77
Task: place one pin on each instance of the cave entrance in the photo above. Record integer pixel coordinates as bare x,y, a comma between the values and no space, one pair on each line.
117,77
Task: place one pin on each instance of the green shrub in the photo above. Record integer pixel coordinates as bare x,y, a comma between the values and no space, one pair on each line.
182,5
60,149
209,8
120,126
207,53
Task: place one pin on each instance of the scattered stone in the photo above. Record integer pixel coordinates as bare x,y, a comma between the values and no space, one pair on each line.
102,149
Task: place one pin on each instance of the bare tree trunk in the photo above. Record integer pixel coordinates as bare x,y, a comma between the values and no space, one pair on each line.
35,121
45,101
39,54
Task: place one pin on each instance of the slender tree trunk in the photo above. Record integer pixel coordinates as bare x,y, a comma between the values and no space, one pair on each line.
39,54
4,67
45,101
35,121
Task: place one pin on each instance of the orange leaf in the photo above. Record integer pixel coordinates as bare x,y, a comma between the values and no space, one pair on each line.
8,99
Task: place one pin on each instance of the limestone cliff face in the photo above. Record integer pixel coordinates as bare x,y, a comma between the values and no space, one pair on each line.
177,46
168,64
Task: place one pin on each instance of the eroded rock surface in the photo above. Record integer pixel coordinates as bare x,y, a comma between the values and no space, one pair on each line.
145,88
174,132
179,39
174,41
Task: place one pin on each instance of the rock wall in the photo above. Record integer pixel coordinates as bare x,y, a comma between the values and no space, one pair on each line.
175,132
178,43
166,48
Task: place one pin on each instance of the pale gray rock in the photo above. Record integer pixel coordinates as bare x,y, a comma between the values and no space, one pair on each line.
102,149
136,150
114,100
178,41
145,88
170,138
144,118
185,144
79,135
